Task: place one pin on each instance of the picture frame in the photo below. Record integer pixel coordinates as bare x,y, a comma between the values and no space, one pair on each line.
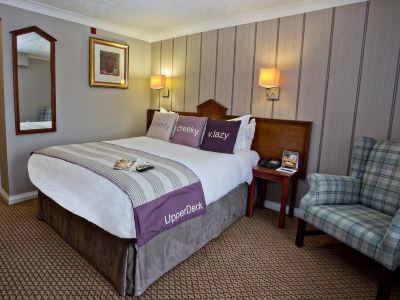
108,63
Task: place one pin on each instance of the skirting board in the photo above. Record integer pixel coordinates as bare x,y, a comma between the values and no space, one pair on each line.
277,206
13,199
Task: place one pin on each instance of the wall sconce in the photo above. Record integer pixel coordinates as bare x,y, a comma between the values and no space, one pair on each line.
157,82
269,78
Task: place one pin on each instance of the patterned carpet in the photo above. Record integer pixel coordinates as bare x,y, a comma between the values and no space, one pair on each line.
250,260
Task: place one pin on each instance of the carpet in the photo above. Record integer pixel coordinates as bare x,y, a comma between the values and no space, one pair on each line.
252,259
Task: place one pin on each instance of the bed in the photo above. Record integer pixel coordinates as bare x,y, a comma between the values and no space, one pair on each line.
95,217
30,125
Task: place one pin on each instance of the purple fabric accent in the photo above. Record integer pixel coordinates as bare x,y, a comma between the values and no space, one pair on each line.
220,136
189,130
168,211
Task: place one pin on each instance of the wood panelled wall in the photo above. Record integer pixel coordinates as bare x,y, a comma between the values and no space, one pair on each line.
339,68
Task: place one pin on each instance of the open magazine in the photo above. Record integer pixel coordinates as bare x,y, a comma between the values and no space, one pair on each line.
124,164
290,162
133,165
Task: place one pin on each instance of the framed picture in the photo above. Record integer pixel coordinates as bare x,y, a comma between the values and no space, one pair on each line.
109,65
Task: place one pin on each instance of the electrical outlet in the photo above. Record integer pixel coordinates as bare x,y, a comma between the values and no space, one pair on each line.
165,93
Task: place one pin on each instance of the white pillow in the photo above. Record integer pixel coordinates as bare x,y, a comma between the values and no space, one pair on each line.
250,130
165,111
241,140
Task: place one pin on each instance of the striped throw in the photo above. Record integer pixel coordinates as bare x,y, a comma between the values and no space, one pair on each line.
161,198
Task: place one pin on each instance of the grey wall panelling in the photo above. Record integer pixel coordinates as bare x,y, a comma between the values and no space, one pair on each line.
244,67
208,65
318,27
289,50
342,89
178,74
225,61
265,57
379,70
192,77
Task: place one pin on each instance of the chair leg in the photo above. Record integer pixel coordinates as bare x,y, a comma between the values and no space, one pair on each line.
385,284
301,230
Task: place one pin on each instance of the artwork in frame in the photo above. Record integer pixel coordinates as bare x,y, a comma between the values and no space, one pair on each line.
109,63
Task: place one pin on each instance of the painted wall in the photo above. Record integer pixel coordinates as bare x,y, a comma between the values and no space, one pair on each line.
3,144
83,113
339,69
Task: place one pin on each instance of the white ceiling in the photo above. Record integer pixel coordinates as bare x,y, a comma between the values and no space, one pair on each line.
158,19
34,45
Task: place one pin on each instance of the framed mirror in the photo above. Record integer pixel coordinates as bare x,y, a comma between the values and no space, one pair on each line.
34,68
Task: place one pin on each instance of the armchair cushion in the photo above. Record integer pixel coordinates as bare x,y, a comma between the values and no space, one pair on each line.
381,181
358,226
331,189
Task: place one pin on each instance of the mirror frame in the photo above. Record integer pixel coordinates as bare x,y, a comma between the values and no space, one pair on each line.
15,34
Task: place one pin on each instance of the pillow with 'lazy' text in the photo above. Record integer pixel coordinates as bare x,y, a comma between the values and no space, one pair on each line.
220,136
189,130
162,126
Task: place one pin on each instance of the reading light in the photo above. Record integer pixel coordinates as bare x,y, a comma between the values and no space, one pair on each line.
269,78
157,82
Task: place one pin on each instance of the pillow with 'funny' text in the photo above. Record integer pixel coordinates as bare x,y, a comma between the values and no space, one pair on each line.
162,126
189,130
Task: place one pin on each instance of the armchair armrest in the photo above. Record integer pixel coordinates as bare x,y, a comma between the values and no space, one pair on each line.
331,189
390,251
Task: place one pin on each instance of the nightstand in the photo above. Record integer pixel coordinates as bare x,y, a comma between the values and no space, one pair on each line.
288,182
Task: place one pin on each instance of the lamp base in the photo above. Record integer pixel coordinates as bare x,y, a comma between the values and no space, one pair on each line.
273,93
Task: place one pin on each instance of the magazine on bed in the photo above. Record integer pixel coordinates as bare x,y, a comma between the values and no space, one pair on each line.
124,164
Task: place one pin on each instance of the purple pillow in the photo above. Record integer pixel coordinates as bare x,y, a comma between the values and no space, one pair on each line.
220,136
189,131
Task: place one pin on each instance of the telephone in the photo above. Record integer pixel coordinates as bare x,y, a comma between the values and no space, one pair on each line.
270,164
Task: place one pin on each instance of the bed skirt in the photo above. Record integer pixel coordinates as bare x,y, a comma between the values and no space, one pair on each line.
133,269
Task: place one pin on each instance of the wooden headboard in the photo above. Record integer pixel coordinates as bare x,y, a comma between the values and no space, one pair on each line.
272,136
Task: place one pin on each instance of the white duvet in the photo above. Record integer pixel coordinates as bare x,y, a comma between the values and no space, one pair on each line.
101,202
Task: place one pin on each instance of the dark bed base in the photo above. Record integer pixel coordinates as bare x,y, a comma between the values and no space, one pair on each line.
132,269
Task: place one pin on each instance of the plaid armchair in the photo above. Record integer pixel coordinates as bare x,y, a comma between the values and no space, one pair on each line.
361,210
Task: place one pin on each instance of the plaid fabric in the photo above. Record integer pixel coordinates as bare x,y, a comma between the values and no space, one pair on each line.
361,150
358,226
331,189
381,180
390,253
359,210
45,114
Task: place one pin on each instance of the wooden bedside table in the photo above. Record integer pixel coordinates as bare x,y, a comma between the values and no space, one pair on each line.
289,183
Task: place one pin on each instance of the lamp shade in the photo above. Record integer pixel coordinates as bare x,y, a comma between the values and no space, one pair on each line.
269,77
157,81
